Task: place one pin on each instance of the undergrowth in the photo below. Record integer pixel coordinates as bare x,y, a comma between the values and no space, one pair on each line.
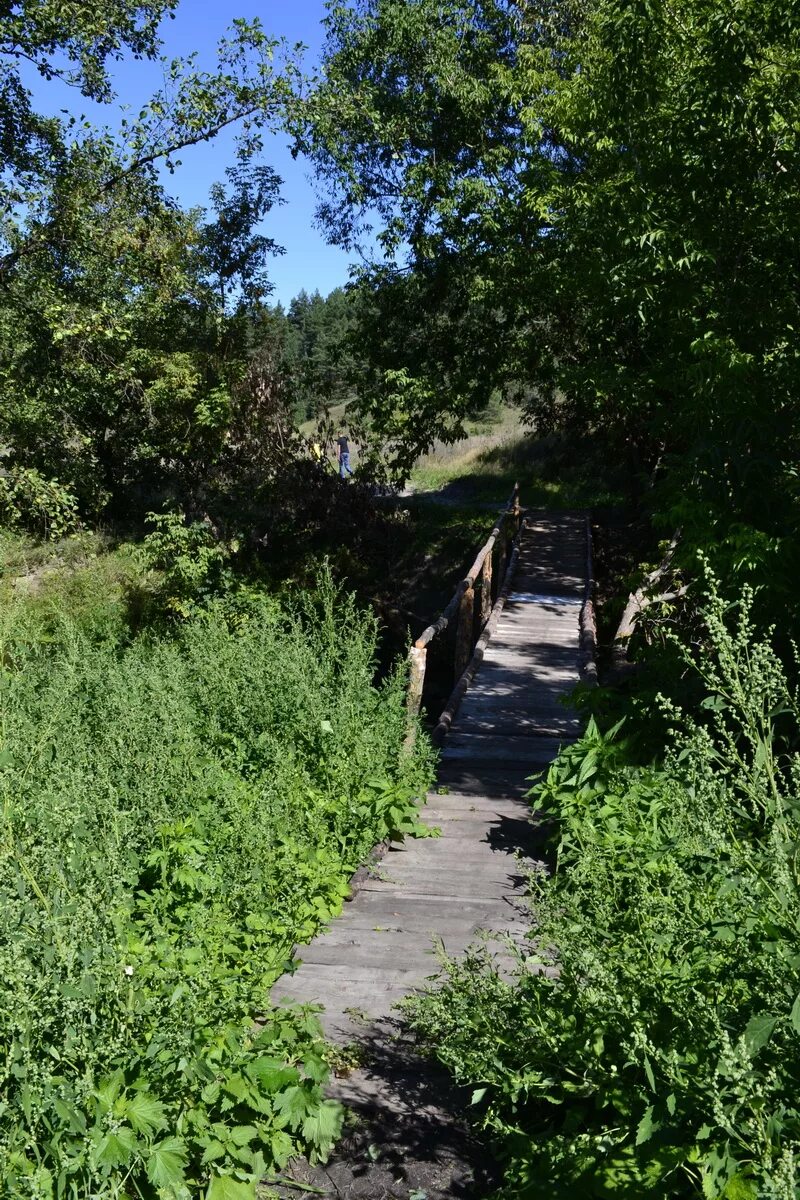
651,1042
177,813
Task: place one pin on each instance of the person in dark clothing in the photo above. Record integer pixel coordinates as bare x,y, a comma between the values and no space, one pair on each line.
343,454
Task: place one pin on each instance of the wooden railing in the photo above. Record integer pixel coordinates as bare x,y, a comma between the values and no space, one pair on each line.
465,622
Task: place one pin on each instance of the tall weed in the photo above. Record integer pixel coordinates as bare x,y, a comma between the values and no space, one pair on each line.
660,1054
176,815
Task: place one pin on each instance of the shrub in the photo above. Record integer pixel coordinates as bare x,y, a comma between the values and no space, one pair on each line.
191,558
42,506
663,1056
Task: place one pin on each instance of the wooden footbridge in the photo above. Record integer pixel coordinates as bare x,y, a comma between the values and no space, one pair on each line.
517,636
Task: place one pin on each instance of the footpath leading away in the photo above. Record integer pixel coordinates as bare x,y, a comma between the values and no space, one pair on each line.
443,892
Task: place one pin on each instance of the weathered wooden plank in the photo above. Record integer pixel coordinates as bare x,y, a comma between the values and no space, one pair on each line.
419,958
452,884
566,731
452,798
371,976
490,747
481,779
413,929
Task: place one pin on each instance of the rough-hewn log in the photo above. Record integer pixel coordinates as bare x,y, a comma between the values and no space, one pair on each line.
486,590
417,661
638,601
465,631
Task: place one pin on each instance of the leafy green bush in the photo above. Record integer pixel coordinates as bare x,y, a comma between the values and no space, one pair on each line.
43,506
660,1054
176,814
191,558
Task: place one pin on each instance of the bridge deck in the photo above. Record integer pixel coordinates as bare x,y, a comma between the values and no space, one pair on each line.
447,889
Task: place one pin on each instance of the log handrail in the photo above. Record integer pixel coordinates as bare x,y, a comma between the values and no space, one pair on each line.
469,580
461,608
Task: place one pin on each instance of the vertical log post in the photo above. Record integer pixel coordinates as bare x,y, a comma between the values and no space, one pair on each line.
486,590
464,632
502,553
417,661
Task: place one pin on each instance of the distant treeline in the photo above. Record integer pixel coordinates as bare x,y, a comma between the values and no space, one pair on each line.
316,352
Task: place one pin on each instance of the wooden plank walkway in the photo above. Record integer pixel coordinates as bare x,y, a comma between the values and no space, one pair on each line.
446,890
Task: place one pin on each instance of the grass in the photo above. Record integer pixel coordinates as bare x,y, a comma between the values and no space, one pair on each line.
483,468
102,583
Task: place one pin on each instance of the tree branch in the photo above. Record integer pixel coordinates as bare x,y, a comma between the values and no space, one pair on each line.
39,236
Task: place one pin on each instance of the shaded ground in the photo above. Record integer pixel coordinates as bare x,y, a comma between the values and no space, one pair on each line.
416,1146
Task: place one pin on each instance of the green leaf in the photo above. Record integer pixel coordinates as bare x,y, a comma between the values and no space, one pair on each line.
646,1127
213,1151
321,1128
145,1114
108,1091
292,1105
794,1015
222,1187
242,1134
166,1162
478,1095
116,1148
758,1032
282,1147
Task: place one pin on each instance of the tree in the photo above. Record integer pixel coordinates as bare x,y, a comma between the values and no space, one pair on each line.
234,252
122,326
601,195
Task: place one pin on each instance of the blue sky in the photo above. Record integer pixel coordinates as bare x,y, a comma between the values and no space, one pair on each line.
198,25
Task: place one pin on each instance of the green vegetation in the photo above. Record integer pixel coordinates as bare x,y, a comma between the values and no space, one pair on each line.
661,1056
584,276
590,210
178,812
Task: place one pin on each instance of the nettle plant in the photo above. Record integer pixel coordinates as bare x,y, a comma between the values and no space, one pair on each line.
663,1056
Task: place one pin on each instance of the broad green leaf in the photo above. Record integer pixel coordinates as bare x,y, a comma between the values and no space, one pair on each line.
242,1134
321,1128
223,1187
282,1147
145,1114
166,1162
758,1032
794,1015
116,1148
646,1127
213,1151
292,1105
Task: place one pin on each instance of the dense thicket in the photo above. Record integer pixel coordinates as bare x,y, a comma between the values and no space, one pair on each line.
134,360
650,1045
176,815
